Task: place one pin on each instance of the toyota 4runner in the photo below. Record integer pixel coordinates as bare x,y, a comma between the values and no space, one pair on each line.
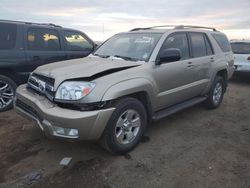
134,77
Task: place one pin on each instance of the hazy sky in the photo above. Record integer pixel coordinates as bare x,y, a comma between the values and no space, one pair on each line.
101,19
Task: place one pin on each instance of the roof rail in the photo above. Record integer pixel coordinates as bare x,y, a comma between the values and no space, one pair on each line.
31,23
193,26
174,27
44,24
146,28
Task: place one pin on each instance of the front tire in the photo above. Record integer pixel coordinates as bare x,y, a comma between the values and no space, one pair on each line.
216,93
125,126
7,93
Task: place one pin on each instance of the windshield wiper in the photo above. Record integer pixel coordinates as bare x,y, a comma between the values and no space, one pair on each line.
126,58
102,56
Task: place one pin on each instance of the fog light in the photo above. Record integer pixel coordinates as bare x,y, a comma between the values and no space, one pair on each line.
73,132
65,132
59,130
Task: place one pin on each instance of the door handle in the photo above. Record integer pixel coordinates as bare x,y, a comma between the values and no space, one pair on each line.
190,64
36,57
211,59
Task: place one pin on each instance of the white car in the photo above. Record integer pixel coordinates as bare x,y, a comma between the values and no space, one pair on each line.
241,50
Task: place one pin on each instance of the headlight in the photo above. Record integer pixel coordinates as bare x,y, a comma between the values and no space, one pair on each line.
74,90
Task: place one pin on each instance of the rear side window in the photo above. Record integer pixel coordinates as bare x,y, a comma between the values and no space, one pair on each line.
7,36
179,41
208,46
198,44
222,42
241,48
77,42
43,39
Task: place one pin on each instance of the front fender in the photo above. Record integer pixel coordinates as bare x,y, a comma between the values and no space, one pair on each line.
128,87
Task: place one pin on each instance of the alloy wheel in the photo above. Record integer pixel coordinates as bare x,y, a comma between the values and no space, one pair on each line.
127,126
217,94
6,94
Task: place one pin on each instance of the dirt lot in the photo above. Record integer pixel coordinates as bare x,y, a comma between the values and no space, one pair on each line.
194,148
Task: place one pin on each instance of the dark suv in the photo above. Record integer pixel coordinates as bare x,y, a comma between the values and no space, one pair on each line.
24,46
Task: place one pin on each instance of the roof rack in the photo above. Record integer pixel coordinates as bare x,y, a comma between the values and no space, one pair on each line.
146,28
31,23
193,26
44,24
174,27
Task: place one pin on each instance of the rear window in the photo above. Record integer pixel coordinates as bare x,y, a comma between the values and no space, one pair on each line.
7,36
222,42
198,44
241,48
43,39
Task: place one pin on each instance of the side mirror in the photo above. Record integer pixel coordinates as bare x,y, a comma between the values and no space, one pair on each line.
169,55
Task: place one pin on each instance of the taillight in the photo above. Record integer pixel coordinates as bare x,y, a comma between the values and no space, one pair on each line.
248,58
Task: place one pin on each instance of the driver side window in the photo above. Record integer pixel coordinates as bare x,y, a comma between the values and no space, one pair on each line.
77,42
179,41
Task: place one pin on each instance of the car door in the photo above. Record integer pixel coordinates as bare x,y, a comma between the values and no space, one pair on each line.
202,57
175,79
77,44
43,46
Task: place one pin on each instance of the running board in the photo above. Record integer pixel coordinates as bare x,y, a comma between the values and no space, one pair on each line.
171,110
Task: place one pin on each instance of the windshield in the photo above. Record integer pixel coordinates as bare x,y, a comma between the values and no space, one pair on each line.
130,46
241,48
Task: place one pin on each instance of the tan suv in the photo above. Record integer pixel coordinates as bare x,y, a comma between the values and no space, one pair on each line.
133,78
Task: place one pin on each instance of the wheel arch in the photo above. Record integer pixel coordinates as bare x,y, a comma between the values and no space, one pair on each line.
141,89
143,97
10,74
224,74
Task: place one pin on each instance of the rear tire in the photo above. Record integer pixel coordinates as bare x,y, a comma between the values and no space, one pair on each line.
7,93
216,93
125,127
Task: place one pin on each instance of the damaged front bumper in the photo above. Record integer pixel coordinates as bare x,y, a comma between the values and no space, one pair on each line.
60,122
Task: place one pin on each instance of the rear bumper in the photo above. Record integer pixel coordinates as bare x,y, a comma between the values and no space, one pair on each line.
242,67
89,124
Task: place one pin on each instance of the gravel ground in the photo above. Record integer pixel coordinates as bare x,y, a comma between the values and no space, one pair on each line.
193,148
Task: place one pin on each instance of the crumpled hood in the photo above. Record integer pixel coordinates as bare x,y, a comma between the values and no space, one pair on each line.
83,68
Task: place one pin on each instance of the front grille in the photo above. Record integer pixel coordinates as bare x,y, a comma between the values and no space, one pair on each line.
42,85
50,81
28,109
33,83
